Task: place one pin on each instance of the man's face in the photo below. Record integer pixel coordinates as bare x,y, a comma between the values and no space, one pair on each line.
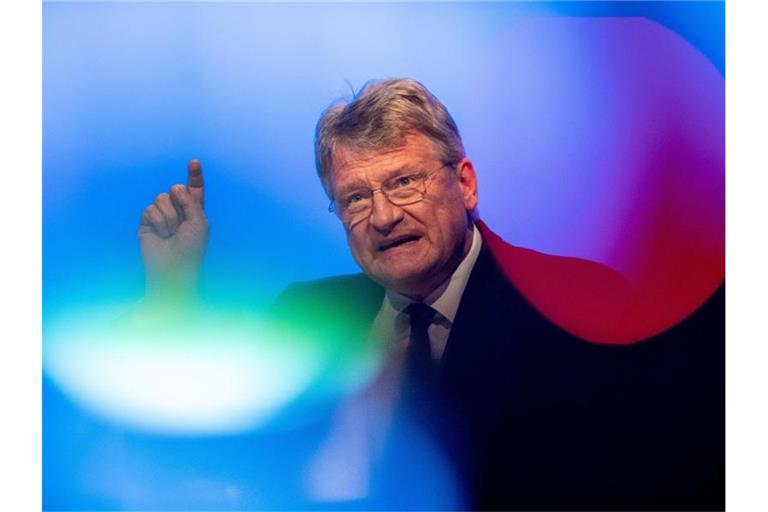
411,249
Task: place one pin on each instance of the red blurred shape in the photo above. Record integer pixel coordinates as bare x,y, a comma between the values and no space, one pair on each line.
596,303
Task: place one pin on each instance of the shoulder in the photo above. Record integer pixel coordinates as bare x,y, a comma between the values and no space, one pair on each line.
537,271
353,296
584,297
343,287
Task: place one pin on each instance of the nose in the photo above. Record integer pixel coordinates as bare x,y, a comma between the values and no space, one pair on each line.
384,215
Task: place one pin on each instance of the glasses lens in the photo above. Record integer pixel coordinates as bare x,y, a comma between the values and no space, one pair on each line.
360,206
406,195
401,191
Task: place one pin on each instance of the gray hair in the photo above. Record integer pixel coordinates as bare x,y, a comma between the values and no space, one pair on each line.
379,117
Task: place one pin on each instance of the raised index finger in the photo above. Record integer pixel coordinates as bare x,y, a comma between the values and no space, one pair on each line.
195,180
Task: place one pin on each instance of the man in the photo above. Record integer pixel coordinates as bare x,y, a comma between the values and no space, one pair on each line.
528,415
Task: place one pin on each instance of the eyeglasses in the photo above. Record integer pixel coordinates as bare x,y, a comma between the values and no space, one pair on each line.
401,190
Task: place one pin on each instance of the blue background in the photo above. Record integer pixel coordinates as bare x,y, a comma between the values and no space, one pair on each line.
132,91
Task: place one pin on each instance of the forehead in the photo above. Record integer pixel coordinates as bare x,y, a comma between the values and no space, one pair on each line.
353,165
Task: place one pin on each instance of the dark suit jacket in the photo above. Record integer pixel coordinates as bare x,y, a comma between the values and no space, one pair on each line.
539,419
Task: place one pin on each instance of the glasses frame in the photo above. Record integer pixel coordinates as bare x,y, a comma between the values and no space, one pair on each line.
332,207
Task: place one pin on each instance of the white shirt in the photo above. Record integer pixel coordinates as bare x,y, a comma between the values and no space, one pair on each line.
392,324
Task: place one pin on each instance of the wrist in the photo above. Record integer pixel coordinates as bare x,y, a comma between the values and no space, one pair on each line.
176,287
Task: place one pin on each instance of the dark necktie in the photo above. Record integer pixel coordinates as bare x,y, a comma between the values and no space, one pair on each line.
420,368
413,415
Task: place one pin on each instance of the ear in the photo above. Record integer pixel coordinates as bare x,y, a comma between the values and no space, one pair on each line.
468,183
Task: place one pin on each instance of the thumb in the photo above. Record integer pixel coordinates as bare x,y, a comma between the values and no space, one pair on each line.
195,183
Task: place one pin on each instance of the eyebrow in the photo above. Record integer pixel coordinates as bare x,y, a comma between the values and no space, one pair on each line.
352,185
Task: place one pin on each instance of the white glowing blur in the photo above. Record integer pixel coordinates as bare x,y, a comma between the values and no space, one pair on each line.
225,377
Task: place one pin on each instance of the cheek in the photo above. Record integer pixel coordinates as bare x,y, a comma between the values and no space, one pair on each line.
451,217
357,246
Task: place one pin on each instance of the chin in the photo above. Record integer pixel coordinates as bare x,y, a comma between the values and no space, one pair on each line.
409,282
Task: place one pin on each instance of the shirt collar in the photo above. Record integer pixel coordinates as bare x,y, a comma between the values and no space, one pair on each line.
445,299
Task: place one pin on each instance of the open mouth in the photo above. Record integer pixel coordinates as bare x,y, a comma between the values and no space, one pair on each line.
397,242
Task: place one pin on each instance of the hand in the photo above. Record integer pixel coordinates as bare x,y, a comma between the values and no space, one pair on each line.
173,234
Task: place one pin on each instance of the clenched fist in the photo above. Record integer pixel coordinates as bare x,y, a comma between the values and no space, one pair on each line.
173,234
